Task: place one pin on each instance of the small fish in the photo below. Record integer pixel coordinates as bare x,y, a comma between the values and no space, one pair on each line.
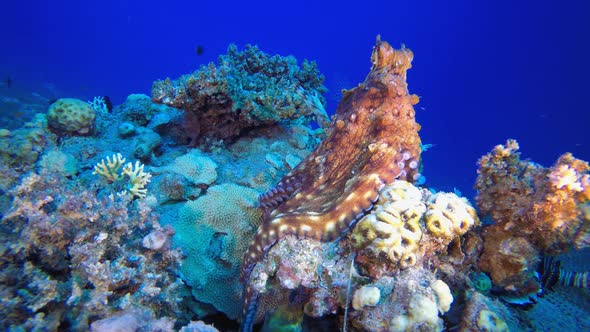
200,50
8,82
553,274
107,101
426,147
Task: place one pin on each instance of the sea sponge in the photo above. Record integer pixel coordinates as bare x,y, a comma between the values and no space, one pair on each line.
443,295
449,216
214,231
365,296
71,116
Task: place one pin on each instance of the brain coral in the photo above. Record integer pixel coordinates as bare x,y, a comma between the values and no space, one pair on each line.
71,116
214,232
408,223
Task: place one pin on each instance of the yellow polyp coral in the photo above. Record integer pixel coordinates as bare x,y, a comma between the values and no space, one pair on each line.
110,169
138,178
393,226
406,217
449,216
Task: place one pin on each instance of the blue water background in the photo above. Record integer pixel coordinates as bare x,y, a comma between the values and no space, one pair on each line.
485,70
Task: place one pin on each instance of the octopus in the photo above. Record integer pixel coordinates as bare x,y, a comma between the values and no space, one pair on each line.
372,141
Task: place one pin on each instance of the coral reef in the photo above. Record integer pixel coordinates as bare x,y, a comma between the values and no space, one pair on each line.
535,210
345,240
71,116
247,89
329,190
70,258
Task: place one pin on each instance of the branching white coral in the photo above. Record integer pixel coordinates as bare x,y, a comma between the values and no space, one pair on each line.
99,105
110,169
138,179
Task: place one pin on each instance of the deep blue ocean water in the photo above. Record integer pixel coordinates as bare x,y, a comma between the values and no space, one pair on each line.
485,70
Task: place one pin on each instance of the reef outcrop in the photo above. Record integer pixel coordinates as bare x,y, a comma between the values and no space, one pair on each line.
535,210
247,89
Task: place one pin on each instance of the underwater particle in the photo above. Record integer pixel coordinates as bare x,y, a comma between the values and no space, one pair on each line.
199,50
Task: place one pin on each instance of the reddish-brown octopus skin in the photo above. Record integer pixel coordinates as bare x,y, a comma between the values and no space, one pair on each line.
373,140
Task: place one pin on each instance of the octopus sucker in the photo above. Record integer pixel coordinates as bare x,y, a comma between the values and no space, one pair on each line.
372,140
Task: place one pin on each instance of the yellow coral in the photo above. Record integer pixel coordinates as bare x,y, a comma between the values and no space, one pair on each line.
138,179
393,226
449,216
397,224
110,169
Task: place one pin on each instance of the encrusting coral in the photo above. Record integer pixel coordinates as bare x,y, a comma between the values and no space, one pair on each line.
214,231
535,210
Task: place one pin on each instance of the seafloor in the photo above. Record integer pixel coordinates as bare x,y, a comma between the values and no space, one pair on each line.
137,217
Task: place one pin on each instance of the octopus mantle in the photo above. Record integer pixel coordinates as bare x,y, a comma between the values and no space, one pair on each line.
373,140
